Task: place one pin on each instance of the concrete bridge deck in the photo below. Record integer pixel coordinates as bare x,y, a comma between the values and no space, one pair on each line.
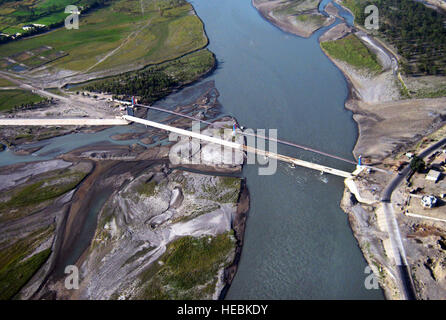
63,122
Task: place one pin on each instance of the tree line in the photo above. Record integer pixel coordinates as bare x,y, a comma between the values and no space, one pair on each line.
149,85
418,33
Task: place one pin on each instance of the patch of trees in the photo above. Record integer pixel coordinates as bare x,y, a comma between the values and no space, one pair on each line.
171,4
418,32
5,1
417,164
149,85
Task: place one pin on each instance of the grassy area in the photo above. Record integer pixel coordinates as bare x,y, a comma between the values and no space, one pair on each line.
189,268
226,190
147,189
434,93
17,265
188,68
311,18
166,30
355,7
31,59
10,99
6,83
12,279
44,190
351,50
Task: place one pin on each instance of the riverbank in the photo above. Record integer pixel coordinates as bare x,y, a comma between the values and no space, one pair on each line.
376,100
301,19
385,133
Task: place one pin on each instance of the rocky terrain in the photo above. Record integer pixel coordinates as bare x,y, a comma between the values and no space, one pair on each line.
144,229
151,215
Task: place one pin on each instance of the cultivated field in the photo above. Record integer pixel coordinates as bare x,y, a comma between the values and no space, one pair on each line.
123,32
17,97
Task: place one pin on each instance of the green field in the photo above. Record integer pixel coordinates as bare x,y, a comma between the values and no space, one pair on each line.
351,50
9,99
43,190
355,7
166,31
155,82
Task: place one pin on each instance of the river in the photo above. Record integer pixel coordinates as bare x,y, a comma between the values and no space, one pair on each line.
298,243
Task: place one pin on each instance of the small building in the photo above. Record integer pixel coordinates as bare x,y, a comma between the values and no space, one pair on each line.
428,201
433,175
28,27
409,155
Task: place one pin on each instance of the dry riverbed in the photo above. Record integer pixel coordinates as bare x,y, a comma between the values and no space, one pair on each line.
146,229
167,231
